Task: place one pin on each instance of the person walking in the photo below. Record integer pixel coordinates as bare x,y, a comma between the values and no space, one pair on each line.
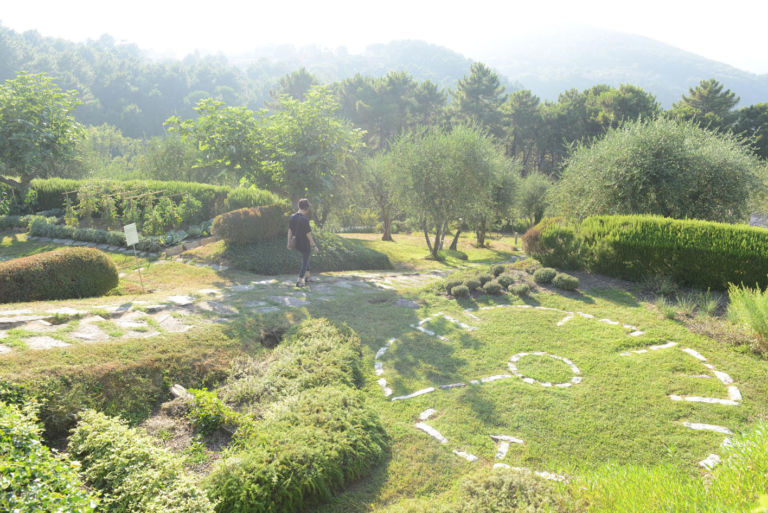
300,239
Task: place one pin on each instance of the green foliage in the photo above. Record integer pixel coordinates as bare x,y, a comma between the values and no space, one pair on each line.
248,225
132,472
707,105
520,289
734,486
662,167
749,308
544,275
505,280
510,491
460,291
478,99
497,269
336,254
308,447
472,284
208,413
314,354
34,478
554,243
452,282
492,287
214,199
696,253
38,131
533,196
61,274
484,278
565,281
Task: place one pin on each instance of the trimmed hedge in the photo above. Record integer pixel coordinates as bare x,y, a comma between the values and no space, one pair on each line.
132,472
248,225
309,447
555,243
700,254
313,354
60,274
336,254
214,199
34,479
544,276
317,433
565,281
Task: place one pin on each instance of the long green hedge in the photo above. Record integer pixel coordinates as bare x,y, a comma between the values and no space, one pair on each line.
60,274
215,199
316,434
701,254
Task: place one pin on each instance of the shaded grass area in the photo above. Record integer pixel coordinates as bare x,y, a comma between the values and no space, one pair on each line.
272,257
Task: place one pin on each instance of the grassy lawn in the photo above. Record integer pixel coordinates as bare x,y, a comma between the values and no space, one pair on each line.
409,251
619,413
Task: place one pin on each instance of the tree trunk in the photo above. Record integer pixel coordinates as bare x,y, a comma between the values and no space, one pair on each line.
455,242
426,236
443,230
387,229
480,234
436,245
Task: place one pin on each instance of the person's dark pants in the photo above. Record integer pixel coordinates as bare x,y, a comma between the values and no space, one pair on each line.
304,262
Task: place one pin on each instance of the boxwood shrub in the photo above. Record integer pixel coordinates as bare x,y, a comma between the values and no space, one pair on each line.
248,225
520,289
307,448
505,280
544,275
472,284
34,478
460,291
492,287
565,281
484,278
451,283
132,473
497,269
555,243
60,274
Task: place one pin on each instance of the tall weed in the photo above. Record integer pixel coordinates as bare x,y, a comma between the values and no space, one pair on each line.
749,308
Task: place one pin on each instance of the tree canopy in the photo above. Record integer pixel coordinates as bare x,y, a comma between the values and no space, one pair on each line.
665,167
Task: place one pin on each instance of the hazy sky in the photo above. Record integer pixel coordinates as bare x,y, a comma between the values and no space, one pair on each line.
733,32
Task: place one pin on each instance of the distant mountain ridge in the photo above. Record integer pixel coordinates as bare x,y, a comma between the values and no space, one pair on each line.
550,63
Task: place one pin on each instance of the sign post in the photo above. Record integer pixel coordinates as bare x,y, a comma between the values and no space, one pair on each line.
131,239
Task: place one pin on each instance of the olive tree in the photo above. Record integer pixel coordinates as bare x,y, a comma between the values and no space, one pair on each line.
663,167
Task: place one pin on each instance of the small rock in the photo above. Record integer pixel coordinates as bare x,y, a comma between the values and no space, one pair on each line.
407,303
182,300
179,392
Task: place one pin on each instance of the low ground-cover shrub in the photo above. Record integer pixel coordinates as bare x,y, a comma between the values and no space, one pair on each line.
60,274
484,278
565,281
335,254
544,276
520,289
460,291
207,413
21,222
749,307
492,287
34,479
512,491
472,284
131,472
450,283
309,446
497,269
249,225
505,280
315,353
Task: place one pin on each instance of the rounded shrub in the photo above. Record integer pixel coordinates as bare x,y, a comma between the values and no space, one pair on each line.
248,225
492,287
484,278
460,291
497,269
451,283
472,284
520,289
61,274
505,280
565,281
544,275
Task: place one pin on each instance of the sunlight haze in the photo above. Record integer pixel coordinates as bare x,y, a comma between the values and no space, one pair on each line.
174,28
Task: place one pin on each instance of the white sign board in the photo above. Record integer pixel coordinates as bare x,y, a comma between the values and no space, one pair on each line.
131,234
